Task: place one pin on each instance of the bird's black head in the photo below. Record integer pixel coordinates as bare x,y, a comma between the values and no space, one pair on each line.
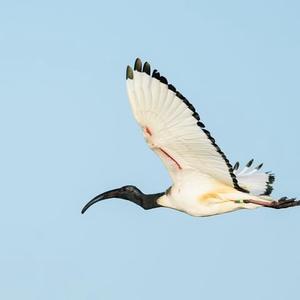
127,192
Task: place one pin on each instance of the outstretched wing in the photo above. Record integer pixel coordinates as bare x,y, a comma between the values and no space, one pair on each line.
172,127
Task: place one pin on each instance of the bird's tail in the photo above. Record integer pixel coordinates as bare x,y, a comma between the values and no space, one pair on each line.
254,180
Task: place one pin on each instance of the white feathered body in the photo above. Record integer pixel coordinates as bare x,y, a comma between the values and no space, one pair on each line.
200,195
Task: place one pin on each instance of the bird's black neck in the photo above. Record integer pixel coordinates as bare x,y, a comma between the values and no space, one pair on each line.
148,201
133,194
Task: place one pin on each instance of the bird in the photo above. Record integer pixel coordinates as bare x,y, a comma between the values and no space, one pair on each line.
204,182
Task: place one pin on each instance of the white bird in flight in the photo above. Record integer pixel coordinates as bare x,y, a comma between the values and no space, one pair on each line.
204,181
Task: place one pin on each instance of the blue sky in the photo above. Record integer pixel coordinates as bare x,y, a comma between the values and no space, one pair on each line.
68,134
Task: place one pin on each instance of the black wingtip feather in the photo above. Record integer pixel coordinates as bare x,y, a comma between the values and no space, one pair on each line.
196,116
163,80
200,124
271,178
147,68
269,188
180,96
172,88
129,73
155,74
249,164
138,65
259,166
236,166
268,191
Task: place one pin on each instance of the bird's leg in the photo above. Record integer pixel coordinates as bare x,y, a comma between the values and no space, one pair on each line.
281,203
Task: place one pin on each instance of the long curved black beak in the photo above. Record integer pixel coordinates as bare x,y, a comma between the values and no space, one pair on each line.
116,193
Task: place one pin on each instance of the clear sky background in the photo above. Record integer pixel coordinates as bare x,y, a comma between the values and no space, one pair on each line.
67,134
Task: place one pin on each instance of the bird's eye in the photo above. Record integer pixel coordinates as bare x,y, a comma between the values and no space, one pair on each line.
129,188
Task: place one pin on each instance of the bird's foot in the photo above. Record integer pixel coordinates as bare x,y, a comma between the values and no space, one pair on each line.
283,202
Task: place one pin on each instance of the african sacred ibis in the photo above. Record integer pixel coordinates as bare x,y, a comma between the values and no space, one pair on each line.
204,181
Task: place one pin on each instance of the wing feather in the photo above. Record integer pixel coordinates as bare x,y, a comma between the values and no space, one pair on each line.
173,129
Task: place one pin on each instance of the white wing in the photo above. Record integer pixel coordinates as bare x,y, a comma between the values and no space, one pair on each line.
172,127
257,182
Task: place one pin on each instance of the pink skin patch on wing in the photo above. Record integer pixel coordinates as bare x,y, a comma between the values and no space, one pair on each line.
148,131
169,156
